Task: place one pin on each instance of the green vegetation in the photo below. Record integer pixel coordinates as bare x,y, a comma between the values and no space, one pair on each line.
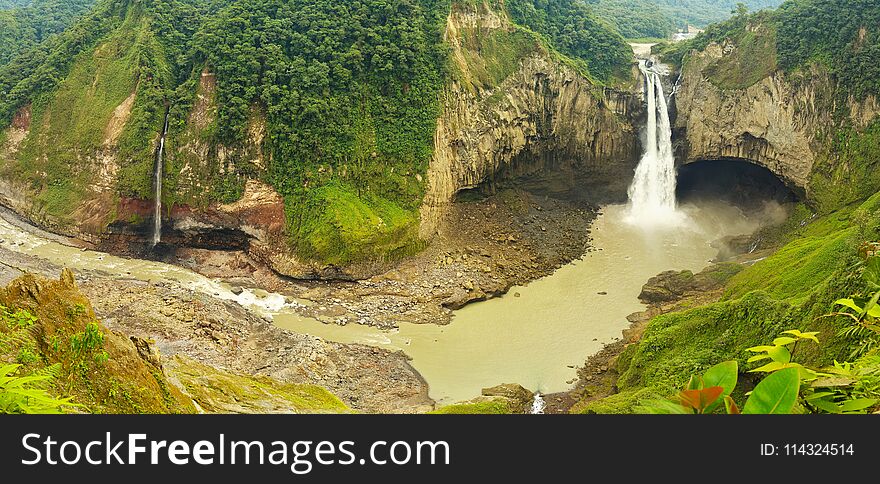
845,388
840,34
351,96
49,332
659,18
573,30
848,169
30,23
332,103
794,288
488,406
490,58
218,391
753,60
27,394
834,33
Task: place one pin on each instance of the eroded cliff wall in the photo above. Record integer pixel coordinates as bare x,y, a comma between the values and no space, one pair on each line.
782,122
539,115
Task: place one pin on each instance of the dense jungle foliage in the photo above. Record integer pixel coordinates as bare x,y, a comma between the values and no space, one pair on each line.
347,93
636,19
24,26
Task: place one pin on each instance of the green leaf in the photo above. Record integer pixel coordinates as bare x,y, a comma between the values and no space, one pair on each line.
780,354
799,335
783,340
848,303
825,405
724,375
776,394
858,404
758,358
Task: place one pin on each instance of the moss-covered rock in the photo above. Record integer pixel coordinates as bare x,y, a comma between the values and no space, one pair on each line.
220,391
502,399
101,370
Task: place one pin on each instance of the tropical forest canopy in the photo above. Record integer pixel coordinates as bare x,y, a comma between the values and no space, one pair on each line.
24,24
659,18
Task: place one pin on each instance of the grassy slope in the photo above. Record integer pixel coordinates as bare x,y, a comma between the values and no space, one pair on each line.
788,290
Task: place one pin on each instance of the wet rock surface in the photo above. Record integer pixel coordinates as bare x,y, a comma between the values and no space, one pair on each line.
224,335
483,248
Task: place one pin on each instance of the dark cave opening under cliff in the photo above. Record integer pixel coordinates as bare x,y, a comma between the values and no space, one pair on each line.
557,174
734,181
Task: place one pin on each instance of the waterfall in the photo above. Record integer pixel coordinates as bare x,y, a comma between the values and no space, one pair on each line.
538,405
157,209
652,193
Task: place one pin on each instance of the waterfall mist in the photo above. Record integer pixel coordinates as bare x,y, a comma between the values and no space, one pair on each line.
652,193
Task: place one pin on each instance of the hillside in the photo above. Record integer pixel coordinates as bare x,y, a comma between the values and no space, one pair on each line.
26,24
335,109
659,18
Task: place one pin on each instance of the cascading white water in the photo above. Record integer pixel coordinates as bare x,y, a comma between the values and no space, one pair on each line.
652,193
538,405
157,176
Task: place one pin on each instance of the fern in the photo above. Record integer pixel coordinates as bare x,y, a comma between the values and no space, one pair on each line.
26,394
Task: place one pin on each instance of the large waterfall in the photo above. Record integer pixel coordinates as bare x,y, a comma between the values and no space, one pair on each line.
652,194
157,209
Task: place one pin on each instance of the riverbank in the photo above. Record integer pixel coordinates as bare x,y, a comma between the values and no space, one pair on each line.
483,248
222,333
665,293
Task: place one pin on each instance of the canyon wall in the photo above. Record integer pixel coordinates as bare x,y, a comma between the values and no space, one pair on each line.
543,116
781,122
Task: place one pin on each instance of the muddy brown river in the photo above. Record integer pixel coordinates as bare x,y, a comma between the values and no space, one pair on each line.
535,336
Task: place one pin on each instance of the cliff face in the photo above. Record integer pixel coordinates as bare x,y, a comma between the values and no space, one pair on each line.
781,122
511,108
541,115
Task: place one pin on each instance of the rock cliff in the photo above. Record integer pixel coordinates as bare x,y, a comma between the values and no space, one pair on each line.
541,116
781,122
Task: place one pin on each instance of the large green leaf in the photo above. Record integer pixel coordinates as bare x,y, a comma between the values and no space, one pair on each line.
858,405
776,394
780,354
722,375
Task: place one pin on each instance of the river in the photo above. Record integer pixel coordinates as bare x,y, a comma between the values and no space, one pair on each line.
533,336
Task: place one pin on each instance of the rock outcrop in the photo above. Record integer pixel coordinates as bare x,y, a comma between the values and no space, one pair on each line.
544,116
778,123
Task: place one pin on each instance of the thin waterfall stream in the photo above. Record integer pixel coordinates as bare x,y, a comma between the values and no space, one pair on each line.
157,180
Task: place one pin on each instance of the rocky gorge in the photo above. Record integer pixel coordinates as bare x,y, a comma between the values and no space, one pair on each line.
528,149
